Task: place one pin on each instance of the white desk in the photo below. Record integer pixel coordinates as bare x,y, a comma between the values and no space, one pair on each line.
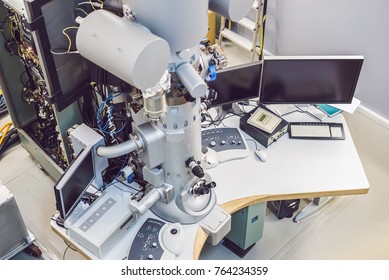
295,169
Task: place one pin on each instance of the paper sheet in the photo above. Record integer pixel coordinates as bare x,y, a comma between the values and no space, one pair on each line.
349,108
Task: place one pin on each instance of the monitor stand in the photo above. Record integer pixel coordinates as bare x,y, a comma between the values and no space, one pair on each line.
282,109
232,108
314,206
312,111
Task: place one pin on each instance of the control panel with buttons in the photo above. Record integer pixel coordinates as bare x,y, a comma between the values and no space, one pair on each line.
146,244
228,142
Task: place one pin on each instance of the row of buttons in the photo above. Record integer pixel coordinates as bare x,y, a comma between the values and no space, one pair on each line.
212,132
92,219
223,143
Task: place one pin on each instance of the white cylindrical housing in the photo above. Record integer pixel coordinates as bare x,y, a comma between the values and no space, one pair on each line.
191,80
234,10
123,48
182,23
147,201
118,150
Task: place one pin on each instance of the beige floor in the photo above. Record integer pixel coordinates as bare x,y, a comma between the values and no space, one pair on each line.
352,227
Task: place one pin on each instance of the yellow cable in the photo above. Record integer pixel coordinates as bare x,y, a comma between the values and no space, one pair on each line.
7,124
11,30
262,30
67,36
5,128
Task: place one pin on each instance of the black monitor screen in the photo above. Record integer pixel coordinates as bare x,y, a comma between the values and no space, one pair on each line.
236,83
74,182
309,80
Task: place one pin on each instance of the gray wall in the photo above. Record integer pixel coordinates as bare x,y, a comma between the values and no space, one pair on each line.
337,27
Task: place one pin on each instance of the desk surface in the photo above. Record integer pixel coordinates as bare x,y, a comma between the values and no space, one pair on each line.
295,169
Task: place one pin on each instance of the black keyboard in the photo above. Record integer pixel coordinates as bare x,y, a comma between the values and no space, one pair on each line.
316,130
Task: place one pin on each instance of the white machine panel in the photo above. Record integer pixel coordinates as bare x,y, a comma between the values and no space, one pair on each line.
101,225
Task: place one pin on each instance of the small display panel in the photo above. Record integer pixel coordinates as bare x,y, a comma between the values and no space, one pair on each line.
74,182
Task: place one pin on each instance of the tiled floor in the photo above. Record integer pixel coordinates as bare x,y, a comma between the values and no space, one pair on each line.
352,227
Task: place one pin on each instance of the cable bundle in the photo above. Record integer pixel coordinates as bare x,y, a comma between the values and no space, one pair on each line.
3,106
8,137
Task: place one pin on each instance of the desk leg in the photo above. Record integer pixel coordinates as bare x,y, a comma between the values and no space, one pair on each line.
312,208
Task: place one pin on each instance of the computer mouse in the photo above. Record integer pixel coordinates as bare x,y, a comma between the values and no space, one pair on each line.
262,155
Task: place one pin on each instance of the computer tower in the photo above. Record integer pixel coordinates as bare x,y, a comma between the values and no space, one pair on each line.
247,228
283,208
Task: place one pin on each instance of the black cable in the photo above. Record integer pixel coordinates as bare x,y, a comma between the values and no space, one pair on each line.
128,186
3,112
67,248
137,191
11,138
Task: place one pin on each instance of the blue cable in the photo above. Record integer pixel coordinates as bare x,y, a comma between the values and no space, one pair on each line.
98,118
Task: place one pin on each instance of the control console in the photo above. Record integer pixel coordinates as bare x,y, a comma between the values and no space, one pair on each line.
146,245
156,240
227,142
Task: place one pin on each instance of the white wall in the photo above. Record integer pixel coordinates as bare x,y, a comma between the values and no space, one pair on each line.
320,27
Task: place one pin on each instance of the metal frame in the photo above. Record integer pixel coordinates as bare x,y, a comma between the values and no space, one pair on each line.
254,26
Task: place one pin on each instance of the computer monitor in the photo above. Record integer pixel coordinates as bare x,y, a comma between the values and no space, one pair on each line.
236,83
309,79
74,182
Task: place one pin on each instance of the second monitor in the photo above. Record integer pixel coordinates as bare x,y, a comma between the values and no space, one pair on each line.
309,79
236,83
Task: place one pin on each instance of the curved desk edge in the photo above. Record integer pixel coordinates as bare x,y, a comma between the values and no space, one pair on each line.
240,203
201,238
232,207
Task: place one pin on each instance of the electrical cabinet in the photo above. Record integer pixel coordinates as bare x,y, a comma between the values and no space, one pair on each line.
41,82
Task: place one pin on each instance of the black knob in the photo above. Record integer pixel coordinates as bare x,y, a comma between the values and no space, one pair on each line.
198,171
211,185
201,190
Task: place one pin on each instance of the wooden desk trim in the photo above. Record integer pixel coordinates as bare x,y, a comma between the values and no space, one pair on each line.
69,242
240,203
201,238
234,206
